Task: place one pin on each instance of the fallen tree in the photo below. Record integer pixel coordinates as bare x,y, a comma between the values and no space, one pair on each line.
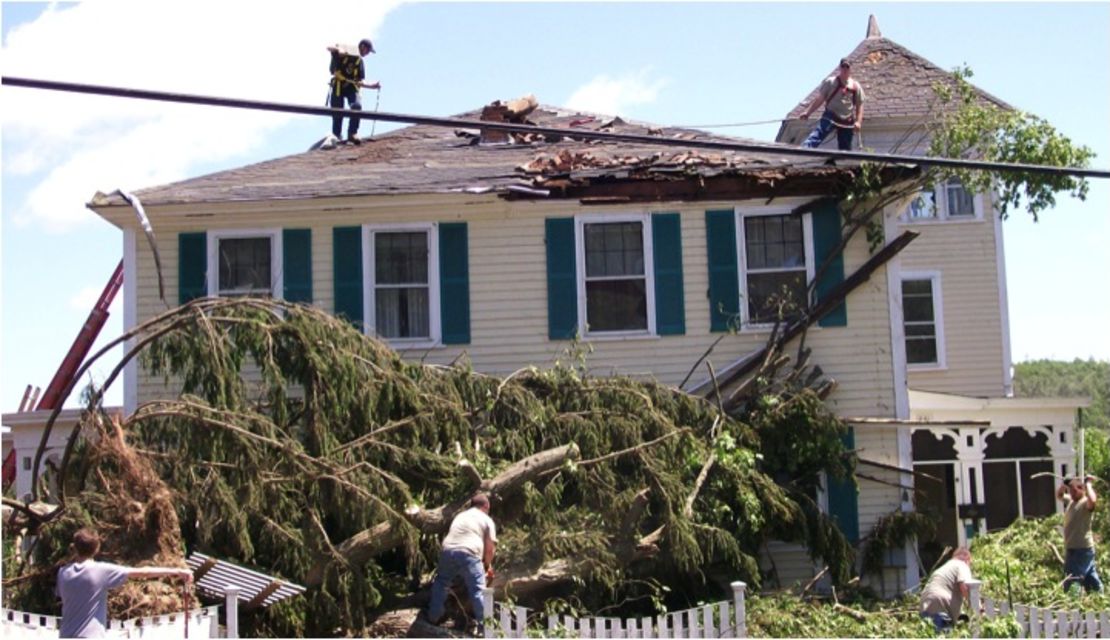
336,464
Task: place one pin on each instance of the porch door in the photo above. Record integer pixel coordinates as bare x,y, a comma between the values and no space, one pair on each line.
1016,480
936,495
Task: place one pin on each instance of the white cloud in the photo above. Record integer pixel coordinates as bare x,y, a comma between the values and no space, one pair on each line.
614,95
84,300
72,145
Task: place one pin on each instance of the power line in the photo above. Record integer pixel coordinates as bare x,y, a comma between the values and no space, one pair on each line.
729,124
755,147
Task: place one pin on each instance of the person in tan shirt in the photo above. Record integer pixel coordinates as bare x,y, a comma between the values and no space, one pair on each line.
944,594
1080,501
843,98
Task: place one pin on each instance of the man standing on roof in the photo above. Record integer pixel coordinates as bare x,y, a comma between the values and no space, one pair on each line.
347,75
1079,562
843,100
467,553
944,594
83,586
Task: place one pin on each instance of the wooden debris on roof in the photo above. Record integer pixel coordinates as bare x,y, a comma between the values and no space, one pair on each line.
514,112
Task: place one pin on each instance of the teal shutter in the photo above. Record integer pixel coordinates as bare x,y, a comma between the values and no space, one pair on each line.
666,242
347,273
562,284
844,498
724,278
192,265
454,283
826,236
296,260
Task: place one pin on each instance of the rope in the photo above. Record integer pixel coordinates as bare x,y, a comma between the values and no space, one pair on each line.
722,126
377,101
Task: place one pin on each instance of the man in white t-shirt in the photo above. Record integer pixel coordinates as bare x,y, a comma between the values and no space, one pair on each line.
468,553
944,594
83,586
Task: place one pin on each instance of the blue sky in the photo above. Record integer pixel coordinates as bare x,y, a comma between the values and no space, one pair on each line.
679,64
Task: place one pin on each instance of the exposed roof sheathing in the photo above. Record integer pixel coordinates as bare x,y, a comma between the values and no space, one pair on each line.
425,159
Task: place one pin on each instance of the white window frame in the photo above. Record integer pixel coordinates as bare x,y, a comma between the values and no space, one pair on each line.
742,256
940,199
277,271
580,222
938,319
369,282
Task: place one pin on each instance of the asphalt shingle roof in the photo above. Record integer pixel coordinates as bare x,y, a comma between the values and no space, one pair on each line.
896,81
433,159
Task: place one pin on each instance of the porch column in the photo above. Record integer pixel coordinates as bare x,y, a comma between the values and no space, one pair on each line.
1061,445
969,453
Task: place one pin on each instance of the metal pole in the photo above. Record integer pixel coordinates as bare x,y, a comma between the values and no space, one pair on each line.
771,148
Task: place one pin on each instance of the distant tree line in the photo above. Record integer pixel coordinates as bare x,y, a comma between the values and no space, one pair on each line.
1089,378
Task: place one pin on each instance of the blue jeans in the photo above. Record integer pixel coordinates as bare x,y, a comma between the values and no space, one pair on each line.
941,621
844,135
348,92
451,565
1079,564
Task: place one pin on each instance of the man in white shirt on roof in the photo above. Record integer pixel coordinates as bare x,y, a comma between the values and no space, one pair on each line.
468,553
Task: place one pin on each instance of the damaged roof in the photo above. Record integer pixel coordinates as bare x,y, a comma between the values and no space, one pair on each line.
425,159
896,81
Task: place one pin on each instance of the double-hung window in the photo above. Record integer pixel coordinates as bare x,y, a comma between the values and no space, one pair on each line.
948,201
923,320
959,203
616,286
402,302
923,206
245,263
776,252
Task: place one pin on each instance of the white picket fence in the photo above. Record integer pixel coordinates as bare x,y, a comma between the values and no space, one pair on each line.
203,623
718,620
1036,622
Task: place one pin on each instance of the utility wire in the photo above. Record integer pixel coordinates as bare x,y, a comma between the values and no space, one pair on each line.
654,140
725,126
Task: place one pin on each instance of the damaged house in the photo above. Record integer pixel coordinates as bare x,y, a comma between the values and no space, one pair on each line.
993,453
507,248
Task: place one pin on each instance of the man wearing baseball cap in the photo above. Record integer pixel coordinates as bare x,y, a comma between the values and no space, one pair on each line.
843,99
347,75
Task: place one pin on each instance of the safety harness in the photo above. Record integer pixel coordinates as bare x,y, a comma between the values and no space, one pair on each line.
345,70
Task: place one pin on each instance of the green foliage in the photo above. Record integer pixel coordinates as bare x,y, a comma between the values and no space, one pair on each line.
1031,550
1078,378
893,531
786,615
1000,627
294,434
966,125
